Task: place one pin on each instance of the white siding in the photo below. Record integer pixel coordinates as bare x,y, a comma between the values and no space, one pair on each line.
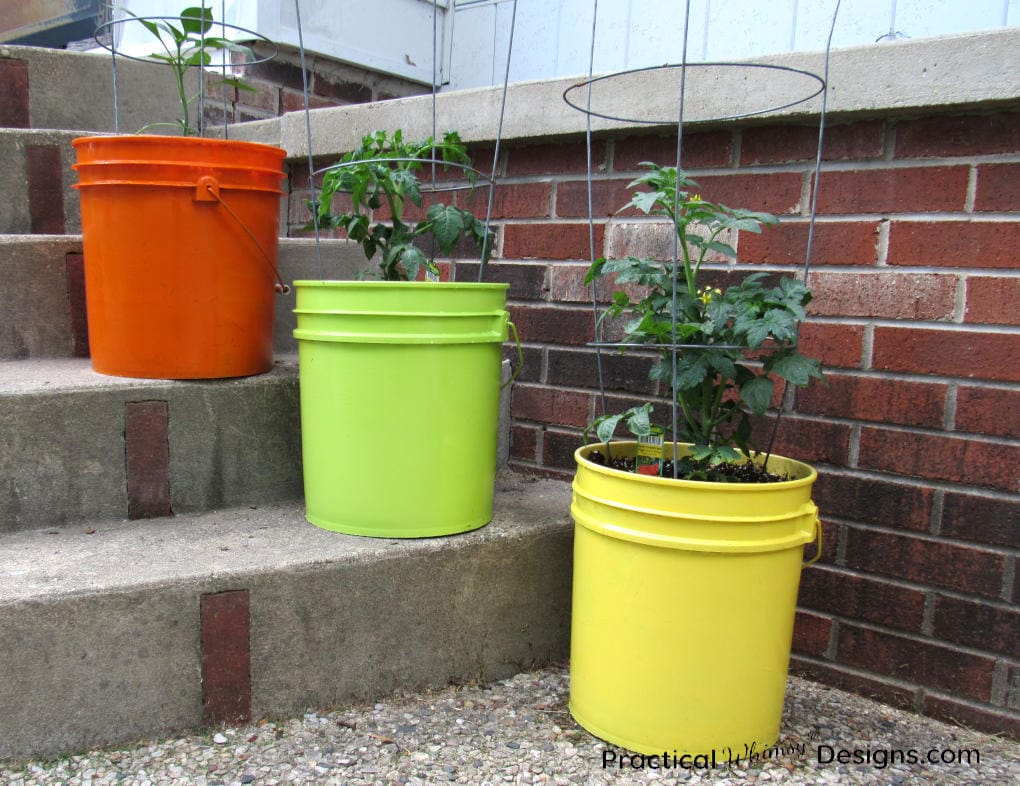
553,37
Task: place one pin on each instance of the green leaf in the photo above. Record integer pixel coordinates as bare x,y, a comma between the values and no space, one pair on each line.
234,82
724,453
795,368
644,201
690,371
756,333
413,260
638,420
196,19
605,427
152,27
757,394
701,452
447,225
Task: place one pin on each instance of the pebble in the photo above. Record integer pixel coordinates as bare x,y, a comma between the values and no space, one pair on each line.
519,731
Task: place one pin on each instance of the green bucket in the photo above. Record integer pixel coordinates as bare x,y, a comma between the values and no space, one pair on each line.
399,404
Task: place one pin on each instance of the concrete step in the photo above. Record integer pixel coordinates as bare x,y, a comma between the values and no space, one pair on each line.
44,310
36,181
81,446
57,89
120,631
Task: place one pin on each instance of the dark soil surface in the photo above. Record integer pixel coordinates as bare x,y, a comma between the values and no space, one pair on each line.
690,470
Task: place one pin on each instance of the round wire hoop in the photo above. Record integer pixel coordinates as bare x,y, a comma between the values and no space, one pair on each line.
426,187
112,47
702,347
583,104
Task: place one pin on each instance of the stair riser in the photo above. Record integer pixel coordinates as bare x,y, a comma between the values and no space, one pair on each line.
86,455
119,666
45,312
39,93
36,181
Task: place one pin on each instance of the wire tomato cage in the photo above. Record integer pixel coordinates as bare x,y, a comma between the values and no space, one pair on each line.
105,36
734,82
433,186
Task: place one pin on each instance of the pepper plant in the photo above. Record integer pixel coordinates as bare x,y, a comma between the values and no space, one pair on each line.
186,45
735,343
384,172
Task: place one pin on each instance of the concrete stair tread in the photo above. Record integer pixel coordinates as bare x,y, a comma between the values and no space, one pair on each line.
63,375
125,630
81,446
117,556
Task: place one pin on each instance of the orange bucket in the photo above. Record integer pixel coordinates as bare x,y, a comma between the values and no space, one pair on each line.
180,238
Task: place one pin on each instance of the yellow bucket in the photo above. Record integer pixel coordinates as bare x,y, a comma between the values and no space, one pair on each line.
683,605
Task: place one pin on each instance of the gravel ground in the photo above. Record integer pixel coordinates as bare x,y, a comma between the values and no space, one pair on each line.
518,731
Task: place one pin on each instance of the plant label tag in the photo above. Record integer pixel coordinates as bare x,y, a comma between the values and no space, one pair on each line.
648,457
431,275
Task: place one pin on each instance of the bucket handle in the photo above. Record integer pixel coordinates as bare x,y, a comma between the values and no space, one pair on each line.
520,355
818,542
208,190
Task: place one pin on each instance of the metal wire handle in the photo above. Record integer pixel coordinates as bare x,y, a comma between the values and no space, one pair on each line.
208,190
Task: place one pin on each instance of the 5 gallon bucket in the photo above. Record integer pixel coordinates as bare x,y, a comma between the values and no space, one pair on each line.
399,404
683,605
180,239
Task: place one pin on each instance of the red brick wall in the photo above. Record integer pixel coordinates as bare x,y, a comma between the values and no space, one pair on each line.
277,87
915,438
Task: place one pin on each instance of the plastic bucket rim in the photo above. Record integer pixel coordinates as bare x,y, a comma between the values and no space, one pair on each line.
337,283
580,455
132,162
187,141
176,184
499,312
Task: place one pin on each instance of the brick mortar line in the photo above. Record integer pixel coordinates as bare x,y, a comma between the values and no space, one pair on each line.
1003,386
874,676
937,508
871,163
971,703
902,270
935,216
927,537
1005,441
1000,682
1008,578
960,301
882,322
928,615
901,583
910,636
970,198
950,408
853,452
882,246
900,427
888,322
909,480
901,376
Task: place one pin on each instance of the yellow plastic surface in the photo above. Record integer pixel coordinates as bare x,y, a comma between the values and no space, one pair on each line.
683,605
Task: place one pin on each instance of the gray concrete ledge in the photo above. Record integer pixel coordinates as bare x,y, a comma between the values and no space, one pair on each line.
146,91
62,427
99,627
959,72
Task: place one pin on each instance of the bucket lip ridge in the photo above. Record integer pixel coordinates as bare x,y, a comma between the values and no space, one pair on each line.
423,285
580,457
169,140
